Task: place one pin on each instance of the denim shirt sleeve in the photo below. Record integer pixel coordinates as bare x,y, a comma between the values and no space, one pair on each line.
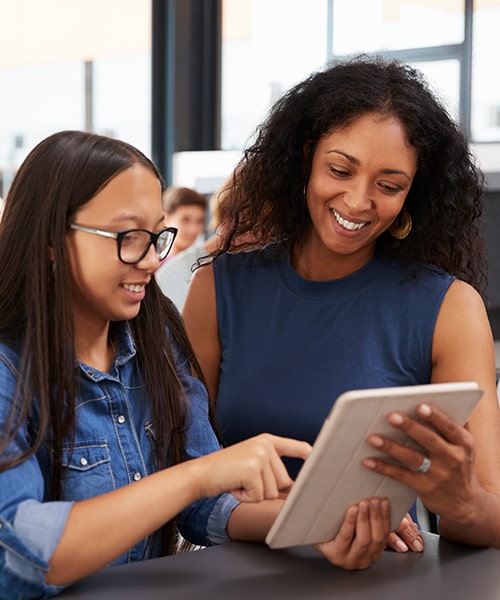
204,522
31,525
30,529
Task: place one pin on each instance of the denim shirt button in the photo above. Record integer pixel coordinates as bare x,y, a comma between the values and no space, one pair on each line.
83,461
90,373
121,419
137,476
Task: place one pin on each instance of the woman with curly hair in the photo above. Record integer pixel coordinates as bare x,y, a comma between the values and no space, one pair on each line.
366,203
99,410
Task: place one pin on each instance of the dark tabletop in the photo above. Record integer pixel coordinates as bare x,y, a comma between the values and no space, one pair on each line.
240,571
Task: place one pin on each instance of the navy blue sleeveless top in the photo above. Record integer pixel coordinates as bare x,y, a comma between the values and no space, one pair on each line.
290,346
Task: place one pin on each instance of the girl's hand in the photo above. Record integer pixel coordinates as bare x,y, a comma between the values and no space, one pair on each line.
448,484
252,470
406,537
362,537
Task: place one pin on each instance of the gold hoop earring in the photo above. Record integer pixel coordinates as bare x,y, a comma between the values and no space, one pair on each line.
401,227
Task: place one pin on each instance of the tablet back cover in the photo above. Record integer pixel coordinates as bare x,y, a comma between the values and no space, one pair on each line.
333,476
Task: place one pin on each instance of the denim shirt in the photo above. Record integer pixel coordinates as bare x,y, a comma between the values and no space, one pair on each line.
112,448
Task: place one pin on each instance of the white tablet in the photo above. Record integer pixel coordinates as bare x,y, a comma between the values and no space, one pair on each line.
333,477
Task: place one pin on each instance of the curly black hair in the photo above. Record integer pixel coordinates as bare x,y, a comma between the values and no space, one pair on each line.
445,200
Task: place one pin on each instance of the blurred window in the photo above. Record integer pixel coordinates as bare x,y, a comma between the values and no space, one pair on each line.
78,64
372,25
268,45
485,88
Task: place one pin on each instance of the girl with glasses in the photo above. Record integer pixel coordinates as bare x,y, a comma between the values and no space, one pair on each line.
99,409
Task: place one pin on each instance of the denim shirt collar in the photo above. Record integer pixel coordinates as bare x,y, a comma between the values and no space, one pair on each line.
126,351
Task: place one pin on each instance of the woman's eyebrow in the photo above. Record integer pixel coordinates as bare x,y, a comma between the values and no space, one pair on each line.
353,160
349,157
395,172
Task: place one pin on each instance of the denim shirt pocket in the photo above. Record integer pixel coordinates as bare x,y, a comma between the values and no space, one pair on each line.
87,471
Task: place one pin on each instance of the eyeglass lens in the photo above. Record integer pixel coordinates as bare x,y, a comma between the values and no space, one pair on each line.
134,245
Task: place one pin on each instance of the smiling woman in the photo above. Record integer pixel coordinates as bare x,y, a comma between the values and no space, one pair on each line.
360,177
364,198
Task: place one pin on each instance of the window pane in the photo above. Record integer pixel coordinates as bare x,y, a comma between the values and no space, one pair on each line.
83,64
34,102
486,72
443,77
395,25
267,46
122,98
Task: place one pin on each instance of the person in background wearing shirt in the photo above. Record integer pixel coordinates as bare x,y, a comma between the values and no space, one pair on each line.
185,209
174,274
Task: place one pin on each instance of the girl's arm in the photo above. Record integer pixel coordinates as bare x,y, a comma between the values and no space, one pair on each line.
100,529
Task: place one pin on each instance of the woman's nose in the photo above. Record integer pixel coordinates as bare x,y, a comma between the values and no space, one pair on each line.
358,197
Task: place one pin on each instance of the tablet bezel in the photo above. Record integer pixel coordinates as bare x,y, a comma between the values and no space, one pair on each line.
333,477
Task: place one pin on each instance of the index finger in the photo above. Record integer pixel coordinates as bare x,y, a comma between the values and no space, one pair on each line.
291,448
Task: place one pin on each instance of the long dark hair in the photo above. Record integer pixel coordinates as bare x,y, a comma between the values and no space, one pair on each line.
446,197
59,176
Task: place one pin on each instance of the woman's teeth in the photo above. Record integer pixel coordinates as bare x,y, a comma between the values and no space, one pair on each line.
345,223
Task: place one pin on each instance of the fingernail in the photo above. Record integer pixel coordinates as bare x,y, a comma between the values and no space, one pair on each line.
368,462
401,546
376,441
424,410
418,545
395,419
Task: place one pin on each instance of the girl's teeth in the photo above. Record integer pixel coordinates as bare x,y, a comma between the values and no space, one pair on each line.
133,288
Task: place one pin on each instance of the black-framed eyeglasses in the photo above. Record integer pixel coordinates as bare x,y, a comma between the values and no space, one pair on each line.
134,244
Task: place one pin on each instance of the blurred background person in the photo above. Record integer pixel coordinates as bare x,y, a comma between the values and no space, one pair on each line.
187,210
174,275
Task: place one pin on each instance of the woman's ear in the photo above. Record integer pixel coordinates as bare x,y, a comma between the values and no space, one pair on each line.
306,149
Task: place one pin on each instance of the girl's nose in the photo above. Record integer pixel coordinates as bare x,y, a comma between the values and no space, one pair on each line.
151,261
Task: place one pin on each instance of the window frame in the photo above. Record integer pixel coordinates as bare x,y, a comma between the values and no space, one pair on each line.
460,52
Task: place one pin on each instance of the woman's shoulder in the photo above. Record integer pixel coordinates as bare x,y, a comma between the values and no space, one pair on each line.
417,272
266,255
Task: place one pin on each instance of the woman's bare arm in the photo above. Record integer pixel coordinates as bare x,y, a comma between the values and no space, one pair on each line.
463,483
200,319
